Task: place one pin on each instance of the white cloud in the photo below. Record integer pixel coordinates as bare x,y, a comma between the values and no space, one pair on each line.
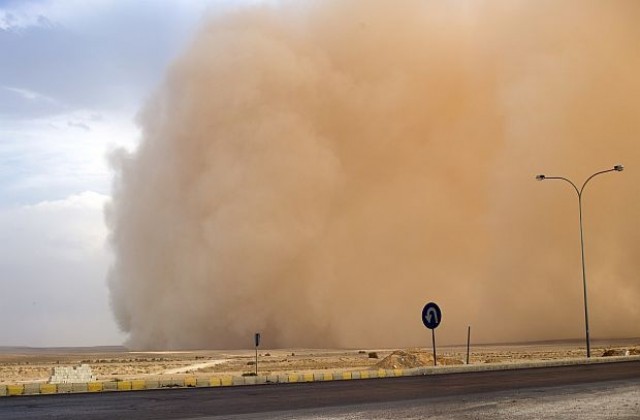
78,73
29,94
25,14
87,200
52,157
53,263
69,229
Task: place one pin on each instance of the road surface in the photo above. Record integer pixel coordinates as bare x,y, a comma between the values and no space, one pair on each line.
337,396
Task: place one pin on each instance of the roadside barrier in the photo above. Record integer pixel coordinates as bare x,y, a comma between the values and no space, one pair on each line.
38,388
91,386
15,389
52,388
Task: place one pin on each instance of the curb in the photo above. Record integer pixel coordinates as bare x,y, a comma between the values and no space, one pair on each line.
37,388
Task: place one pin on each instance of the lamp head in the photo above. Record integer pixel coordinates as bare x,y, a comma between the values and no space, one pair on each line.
619,168
540,177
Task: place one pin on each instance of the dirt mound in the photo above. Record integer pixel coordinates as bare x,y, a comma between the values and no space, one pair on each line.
406,359
613,352
633,351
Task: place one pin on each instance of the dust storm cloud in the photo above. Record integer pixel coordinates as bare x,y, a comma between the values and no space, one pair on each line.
317,171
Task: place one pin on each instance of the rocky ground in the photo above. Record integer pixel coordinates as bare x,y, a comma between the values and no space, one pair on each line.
19,365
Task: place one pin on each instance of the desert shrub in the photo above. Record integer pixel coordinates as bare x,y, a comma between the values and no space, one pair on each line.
373,355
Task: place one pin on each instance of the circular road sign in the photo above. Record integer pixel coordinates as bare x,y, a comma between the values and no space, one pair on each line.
431,315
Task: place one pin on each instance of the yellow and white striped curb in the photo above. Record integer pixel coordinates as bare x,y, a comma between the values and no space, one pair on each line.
224,381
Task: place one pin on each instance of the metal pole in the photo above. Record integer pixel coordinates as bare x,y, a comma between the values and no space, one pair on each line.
584,280
433,342
617,168
256,360
468,341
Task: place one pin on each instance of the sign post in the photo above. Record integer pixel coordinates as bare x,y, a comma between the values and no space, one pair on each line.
433,344
431,318
257,341
468,341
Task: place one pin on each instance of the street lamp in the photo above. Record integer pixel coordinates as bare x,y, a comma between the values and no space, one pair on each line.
616,168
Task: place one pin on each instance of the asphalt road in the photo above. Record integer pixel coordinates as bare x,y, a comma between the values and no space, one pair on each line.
206,402
608,400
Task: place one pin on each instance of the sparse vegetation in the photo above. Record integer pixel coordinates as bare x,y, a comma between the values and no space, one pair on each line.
127,366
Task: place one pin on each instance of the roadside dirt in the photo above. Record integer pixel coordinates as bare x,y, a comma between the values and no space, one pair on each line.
36,365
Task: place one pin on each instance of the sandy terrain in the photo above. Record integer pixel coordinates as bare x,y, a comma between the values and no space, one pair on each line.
35,365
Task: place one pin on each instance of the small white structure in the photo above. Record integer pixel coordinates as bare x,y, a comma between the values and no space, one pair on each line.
72,375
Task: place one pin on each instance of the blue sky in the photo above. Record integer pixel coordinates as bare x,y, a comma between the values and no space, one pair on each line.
73,75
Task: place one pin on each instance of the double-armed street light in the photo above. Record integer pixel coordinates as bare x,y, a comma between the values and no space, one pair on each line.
616,168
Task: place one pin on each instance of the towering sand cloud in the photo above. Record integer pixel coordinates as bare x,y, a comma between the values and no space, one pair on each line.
318,170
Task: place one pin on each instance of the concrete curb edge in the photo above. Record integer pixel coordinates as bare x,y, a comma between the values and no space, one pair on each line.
225,381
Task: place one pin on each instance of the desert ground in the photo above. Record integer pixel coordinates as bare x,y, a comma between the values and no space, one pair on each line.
21,365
